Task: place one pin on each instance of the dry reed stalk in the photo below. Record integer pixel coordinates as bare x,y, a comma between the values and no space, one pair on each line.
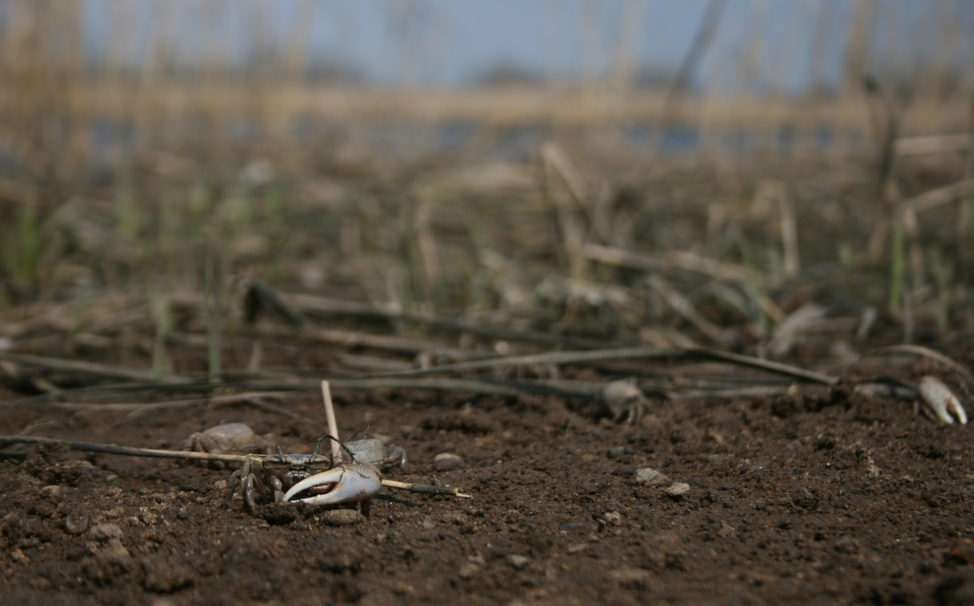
940,196
631,22
570,237
789,235
87,368
676,259
933,144
330,417
426,246
680,305
346,338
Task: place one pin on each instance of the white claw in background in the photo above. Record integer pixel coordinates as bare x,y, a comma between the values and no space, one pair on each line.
347,483
942,401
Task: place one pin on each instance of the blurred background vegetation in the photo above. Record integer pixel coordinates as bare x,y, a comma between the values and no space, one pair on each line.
165,148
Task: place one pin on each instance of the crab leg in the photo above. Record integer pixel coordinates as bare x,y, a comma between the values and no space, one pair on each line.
347,483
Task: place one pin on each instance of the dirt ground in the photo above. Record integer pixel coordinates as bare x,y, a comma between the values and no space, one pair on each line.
811,498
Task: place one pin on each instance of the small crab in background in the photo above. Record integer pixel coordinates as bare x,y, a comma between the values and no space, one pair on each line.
377,451
228,438
624,401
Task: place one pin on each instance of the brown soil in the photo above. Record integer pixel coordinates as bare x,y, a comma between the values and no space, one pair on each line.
811,498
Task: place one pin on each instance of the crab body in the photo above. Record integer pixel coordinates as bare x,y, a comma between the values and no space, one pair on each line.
228,438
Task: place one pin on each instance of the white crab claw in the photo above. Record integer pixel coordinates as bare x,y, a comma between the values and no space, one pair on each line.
942,400
347,483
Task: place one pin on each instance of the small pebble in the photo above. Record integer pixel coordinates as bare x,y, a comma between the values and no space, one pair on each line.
446,460
619,451
677,490
52,492
76,522
726,530
149,518
468,570
612,517
105,532
517,562
651,477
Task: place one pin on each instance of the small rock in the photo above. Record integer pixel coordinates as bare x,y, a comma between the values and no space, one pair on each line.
677,490
468,570
77,522
612,517
148,518
726,530
517,562
715,436
115,550
446,460
108,564
500,548
648,476
805,499
342,517
630,576
105,532
52,492
619,451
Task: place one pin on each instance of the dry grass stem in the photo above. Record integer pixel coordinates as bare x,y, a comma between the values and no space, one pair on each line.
330,416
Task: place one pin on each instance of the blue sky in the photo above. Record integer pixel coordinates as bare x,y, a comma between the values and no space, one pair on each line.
761,44
446,42
459,38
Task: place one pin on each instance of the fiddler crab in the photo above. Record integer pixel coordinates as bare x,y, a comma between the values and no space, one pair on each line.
624,401
316,479
227,438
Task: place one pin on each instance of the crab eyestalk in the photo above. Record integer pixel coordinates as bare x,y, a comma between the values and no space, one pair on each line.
347,483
